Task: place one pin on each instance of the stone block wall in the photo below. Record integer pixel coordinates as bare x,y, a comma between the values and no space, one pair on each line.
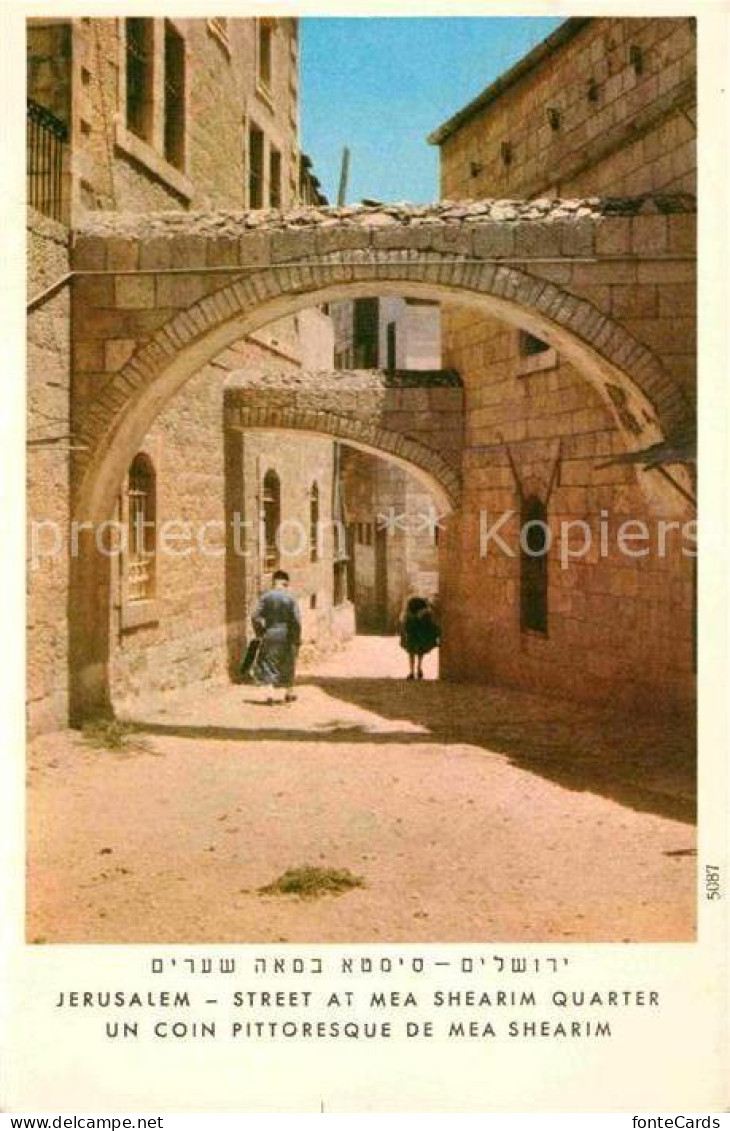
48,483
624,623
195,625
623,127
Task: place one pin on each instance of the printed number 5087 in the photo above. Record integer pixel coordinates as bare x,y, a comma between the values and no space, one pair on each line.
712,882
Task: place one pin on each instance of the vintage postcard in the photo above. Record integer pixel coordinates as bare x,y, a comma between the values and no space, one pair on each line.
366,629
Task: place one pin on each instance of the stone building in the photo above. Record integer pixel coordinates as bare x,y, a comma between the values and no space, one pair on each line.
159,114
604,107
387,332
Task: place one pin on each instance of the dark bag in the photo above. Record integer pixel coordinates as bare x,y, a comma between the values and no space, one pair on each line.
249,658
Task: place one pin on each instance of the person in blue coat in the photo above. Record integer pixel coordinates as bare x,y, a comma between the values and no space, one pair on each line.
278,626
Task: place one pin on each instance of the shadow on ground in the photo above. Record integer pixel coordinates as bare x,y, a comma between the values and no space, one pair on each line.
646,764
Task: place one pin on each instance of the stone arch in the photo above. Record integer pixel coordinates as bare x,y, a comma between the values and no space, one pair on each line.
648,407
644,400
442,480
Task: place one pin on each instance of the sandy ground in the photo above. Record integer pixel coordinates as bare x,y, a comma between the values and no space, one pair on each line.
472,813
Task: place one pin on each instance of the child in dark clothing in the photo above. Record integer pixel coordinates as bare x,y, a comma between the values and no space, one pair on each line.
419,633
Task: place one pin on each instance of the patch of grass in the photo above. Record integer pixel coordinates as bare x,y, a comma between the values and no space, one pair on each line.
105,733
310,882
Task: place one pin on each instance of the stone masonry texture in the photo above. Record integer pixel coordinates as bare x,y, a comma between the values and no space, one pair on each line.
623,127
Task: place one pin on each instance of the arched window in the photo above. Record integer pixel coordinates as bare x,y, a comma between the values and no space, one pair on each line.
272,519
534,543
314,523
142,518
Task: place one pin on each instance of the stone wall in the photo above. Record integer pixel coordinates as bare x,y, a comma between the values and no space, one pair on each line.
623,127
623,623
48,485
626,625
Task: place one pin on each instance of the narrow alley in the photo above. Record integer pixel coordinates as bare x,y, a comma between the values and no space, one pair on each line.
463,808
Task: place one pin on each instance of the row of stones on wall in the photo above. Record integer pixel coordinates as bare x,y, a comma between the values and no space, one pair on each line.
223,222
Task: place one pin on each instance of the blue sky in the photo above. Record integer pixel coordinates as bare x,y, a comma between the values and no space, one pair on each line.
381,85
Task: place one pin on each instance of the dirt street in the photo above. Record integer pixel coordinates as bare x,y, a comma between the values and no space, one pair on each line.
471,813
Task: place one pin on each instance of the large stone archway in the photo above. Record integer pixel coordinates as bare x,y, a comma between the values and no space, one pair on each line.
157,297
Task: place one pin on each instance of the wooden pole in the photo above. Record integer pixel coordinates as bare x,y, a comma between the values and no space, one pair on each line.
344,177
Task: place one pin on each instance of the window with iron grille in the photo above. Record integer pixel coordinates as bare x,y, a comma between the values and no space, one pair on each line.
46,161
139,66
174,96
255,168
271,519
534,566
274,178
142,520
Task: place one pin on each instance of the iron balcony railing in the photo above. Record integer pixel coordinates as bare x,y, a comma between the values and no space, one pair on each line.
47,136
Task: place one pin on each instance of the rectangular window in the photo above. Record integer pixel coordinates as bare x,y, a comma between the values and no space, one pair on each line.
535,543
391,345
139,64
365,332
339,582
174,97
272,518
255,168
264,52
274,178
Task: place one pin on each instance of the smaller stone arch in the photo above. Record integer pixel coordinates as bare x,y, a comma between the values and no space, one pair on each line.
411,417
423,462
